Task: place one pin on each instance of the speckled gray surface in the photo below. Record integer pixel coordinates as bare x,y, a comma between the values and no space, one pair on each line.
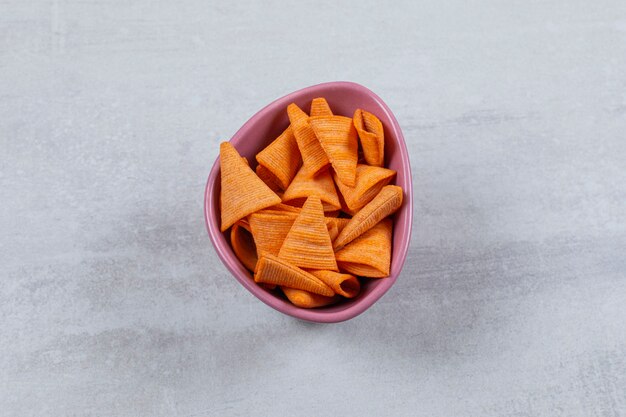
113,302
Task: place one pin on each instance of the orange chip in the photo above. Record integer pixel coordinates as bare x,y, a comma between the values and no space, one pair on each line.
368,255
270,211
243,244
269,229
343,284
305,299
388,200
242,191
284,211
313,156
338,221
339,140
268,178
320,185
344,206
333,230
282,158
372,136
273,270
335,225
369,181
283,207
308,243
320,107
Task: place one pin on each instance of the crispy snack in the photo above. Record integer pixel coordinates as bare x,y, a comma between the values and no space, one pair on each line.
282,208
273,270
372,136
335,225
305,185
281,158
308,243
369,181
320,107
285,214
338,221
243,244
369,255
388,200
343,284
243,192
269,229
333,230
268,178
313,156
305,299
339,140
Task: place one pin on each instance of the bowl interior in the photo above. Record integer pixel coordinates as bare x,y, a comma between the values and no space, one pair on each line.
344,98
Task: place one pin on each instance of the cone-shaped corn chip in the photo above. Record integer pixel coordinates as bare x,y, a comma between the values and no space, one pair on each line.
279,212
340,222
305,299
344,206
372,137
369,182
268,178
343,284
244,223
242,191
281,158
283,207
320,107
269,230
313,156
333,230
245,160
305,185
273,270
385,203
308,243
243,244
335,225
368,255
339,140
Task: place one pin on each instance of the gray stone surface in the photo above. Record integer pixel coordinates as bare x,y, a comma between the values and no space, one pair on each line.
113,302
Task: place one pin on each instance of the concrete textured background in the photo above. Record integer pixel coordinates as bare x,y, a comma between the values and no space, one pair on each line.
113,302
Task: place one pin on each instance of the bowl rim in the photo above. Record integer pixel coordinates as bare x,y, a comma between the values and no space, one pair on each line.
229,260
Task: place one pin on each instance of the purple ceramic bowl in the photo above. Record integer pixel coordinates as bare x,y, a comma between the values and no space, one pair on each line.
344,98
